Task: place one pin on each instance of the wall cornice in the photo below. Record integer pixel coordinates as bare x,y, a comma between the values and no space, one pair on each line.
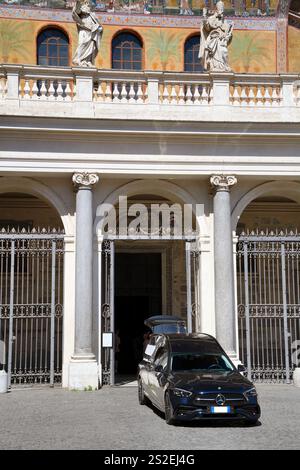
139,130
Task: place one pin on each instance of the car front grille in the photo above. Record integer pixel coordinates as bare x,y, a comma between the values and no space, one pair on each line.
210,398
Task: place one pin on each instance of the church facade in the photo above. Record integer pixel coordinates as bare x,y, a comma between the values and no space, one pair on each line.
147,129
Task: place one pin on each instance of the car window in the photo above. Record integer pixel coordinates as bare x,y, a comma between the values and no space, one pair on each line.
200,362
170,328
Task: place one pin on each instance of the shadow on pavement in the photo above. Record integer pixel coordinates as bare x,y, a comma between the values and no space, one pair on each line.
202,423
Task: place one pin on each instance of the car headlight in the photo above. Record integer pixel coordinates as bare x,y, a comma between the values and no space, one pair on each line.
179,392
251,393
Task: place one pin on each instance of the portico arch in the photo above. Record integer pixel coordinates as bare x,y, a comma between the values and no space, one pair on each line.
290,190
42,191
161,188
124,280
267,278
38,268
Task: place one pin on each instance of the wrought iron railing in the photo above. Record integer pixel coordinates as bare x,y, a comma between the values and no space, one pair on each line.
31,305
268,270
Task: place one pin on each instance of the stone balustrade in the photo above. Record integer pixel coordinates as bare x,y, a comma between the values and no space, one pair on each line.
46,89
120,87
160,95
186,92
263,93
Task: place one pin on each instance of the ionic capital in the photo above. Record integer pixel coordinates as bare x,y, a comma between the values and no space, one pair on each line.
222,182
85,179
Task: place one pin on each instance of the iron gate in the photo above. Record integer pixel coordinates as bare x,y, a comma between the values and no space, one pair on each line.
31,310
108,293
268,285
192,267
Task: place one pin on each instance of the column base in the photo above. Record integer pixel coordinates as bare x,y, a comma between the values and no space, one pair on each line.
296,377
83,374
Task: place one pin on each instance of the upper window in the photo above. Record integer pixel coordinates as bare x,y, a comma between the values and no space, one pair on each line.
127,52
52,48
191,51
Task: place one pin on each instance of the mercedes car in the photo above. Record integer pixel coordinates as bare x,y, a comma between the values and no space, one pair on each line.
190,377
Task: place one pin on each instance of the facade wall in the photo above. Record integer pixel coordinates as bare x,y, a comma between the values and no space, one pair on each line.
253,48
293,52
166,150
200,192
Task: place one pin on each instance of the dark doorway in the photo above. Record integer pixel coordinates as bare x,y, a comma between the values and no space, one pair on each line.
138,296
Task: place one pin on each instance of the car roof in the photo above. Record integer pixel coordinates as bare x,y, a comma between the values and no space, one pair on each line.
163,319
189,336
193,342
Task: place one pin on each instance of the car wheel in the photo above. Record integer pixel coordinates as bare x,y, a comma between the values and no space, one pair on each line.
142,396
168,410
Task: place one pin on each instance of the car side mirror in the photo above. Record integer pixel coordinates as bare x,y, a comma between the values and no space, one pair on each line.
241,368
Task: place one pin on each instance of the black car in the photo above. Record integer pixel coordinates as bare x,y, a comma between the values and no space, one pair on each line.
190,377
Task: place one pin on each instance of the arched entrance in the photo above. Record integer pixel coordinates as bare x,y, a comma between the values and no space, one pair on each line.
140,270
145,272
31,289
268,295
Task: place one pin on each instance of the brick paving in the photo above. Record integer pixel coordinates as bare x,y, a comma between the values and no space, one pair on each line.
112,419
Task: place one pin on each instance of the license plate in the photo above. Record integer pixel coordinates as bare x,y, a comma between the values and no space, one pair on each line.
220,409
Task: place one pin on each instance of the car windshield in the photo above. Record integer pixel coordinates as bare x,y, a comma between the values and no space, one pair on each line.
169,328
200,362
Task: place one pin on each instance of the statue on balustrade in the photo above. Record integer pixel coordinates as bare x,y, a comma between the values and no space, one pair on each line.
89,34
215,36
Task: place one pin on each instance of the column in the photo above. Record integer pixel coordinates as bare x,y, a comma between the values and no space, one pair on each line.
83,369
69,306
223,264
206,285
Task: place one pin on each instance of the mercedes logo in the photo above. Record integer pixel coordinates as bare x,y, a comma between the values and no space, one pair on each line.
220,399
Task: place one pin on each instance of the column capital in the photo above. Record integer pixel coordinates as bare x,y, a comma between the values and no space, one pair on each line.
222,182
84,179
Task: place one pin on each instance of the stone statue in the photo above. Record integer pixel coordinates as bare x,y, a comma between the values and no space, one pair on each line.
89,34
215,36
